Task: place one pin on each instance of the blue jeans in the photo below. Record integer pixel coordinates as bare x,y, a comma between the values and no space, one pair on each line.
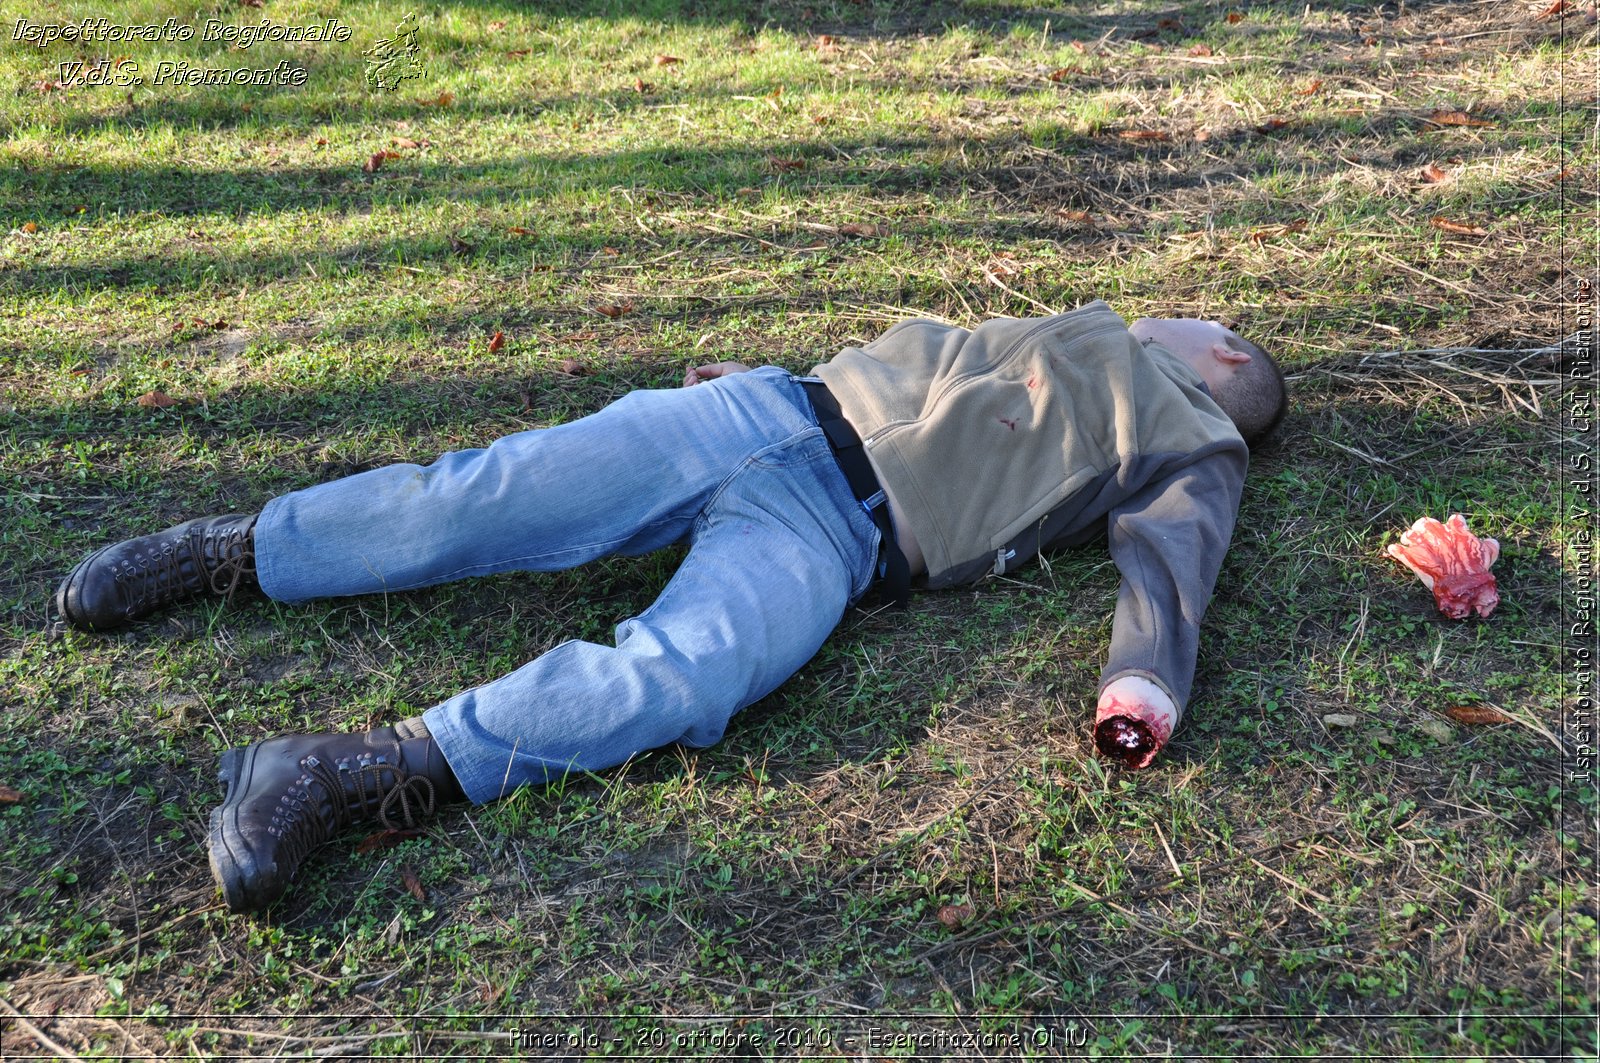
779,548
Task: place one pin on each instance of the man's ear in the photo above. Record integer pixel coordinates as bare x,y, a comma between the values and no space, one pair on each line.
1227,355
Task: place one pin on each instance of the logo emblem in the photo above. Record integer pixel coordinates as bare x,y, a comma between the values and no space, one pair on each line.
395,59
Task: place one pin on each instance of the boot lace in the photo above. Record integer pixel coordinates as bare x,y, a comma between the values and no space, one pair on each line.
220,562
228,558
156,578
377,787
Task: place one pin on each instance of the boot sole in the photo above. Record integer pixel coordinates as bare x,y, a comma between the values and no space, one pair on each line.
232,866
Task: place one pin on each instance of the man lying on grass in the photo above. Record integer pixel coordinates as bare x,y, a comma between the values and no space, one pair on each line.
932,452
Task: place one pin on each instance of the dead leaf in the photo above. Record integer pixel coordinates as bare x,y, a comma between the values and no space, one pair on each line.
517,230
1143,134
497,341
1476,714
30,226
1459,118
1060,75
156,400
1311,89
8,796
953,915
1201,50
1460,228
614,310
1258,235
666,60
375,163
1432,174
385,839
413,884
47,86
781,164
572,367
856,228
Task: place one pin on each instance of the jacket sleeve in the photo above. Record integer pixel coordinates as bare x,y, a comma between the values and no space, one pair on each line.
1168,541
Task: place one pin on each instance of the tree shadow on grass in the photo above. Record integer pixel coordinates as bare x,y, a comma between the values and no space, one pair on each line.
1160,24
1055,169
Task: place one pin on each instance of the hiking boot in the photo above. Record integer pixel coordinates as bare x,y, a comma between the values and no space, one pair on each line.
287,796
128,581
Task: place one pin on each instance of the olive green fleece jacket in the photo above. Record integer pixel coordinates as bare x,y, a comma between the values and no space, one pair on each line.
1019,435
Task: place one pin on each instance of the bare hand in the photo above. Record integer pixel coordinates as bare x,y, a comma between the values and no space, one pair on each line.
701,373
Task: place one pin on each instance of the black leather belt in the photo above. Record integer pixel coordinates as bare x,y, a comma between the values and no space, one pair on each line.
893,568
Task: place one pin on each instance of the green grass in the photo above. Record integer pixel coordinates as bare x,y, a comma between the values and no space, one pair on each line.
1274,885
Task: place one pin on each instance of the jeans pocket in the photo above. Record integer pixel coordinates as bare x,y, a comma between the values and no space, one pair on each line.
797,483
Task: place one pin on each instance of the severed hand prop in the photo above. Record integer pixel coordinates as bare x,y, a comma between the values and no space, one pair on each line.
1453,563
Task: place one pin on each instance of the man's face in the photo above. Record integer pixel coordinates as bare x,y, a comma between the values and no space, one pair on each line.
1207,346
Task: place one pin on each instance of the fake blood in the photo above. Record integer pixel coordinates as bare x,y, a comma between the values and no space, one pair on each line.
1125,738
1130,731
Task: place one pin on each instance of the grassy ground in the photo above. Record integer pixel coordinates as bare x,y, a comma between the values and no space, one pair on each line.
1354,186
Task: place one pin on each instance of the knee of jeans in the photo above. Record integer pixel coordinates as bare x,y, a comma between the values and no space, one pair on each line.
691,695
